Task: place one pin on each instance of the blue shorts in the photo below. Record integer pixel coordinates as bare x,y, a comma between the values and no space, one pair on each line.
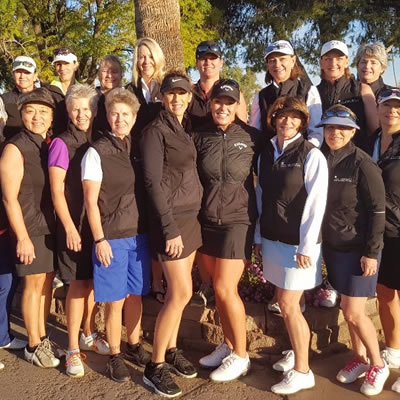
128,273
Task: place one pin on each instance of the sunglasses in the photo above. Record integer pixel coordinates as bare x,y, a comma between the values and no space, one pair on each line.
338,113
276,47
62,51
207,48
26,64
389,92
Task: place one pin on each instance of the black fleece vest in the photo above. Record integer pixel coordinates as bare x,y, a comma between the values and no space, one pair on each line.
283,191
34,195
117,202
14,121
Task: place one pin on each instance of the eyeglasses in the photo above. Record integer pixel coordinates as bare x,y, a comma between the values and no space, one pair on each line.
207,48
62,51
230,82
389,92
26,64
338,113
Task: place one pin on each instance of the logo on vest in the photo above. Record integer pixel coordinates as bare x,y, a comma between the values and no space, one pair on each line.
240,145
337,179
290,165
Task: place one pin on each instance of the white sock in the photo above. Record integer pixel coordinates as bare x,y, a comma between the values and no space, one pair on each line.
70,352
393,352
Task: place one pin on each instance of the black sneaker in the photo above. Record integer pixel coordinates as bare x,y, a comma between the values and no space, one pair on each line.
180,364
117,368
137,354
158,377
204,297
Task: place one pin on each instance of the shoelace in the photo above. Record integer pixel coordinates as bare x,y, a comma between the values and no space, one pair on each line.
99,339
288,376
74,358
353,364
180,359
228,361
165,376
371,375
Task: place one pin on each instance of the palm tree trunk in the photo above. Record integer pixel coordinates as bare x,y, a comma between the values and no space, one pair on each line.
161,20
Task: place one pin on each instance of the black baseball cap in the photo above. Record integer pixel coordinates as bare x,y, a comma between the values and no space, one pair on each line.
226,87
173,81
208,47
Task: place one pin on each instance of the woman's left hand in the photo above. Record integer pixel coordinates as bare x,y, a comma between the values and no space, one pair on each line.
369,266
303,261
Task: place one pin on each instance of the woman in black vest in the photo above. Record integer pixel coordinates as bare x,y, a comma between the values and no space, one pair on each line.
292,189
120,252
285,77
387,153
174,191
27,200
352,234
74,239
226,152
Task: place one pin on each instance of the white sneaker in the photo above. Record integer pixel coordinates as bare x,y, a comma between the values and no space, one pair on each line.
375,378
293,382
15,344
74,364
95,343
231,368
274,307
43,356
1,366
353,370
214,359
396,386
328,297
286,363
392,362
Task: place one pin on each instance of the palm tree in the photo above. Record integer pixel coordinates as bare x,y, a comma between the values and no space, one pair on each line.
161,20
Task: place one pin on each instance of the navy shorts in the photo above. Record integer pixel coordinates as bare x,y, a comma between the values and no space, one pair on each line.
128,273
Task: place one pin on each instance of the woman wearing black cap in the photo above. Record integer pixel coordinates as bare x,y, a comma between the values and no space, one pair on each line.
174,190
352,235
27,200
286,78
291,197
226,149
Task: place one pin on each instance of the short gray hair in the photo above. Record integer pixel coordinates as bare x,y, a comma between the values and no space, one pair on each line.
82,91
124,96
376,50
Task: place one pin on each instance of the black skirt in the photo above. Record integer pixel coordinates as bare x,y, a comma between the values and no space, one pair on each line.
389,271
345,273
227,241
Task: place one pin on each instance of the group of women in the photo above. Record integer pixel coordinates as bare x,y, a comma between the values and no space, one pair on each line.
144,177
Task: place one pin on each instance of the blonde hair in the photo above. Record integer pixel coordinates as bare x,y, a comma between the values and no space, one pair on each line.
111,59
158,57
124,96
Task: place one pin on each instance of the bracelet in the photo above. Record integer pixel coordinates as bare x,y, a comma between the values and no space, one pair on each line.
100,240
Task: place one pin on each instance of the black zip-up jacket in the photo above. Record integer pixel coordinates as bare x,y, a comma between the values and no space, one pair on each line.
170,172
379,85
199,108
355,211
225,161
14,122
117,202
390,165
347,92
60,118
34,194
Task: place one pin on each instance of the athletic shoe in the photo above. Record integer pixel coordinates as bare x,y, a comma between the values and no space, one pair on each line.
43,356
57,283
1,366
353,370
15,344
286,363
137,354
180,364
327,297
392,362
74,365
293,382
375,378
274,307
396,386
231,368
214,359
117,369
204,296
158,377
95,343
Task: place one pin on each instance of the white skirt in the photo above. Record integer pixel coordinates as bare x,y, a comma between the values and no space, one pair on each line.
280,267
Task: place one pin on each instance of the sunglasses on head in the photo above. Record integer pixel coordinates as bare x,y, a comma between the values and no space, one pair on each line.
389,92
62,51
206,48
275,47
338,113
26,64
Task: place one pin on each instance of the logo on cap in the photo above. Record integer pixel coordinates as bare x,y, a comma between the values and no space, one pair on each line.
173,80
226,87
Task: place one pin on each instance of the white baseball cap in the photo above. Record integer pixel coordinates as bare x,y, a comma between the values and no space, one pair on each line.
280,46
64,54
335,45
25,63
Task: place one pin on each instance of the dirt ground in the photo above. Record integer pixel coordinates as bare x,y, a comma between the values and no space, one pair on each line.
21,380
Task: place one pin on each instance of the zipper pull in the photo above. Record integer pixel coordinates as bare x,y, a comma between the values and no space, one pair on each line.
219,221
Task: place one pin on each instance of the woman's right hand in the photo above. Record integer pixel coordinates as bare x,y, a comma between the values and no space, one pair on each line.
25,251
174,247
104,253
74,242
